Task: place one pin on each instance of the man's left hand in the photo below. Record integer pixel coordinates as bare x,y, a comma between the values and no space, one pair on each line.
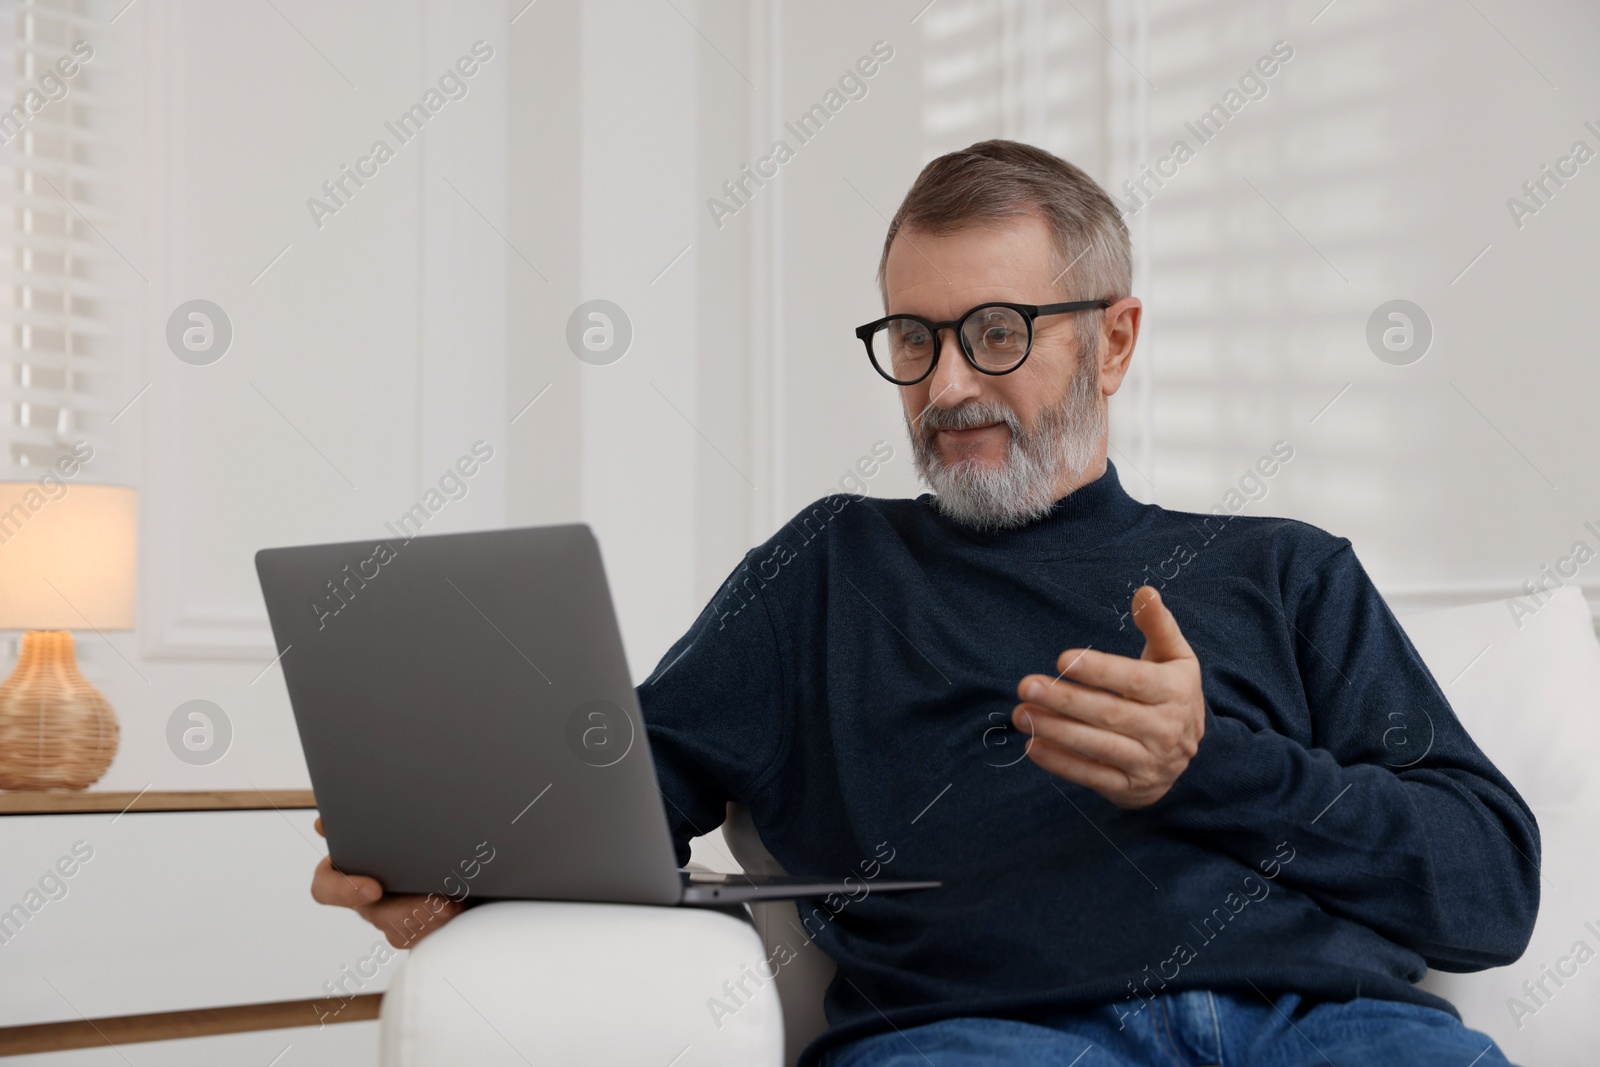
1126,728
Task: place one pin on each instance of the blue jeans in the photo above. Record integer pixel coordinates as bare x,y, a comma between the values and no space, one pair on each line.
1194,1029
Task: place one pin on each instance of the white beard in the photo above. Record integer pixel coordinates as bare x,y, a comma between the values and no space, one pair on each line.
1063,443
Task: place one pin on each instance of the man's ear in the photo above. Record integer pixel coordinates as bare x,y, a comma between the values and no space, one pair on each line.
1119,332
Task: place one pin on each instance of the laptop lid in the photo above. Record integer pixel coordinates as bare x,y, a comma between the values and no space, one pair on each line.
468,718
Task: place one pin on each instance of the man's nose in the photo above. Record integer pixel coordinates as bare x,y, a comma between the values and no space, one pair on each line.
953,380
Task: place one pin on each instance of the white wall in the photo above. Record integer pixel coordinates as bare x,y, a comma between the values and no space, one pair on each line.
365,359
640,415
368,354
1383,156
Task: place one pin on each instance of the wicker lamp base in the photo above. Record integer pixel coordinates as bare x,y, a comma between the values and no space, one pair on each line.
56,730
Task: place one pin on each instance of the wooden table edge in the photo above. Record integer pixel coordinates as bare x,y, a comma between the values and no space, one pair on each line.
68,802
175,1025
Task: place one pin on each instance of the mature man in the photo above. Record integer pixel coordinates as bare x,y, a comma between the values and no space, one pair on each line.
1213,852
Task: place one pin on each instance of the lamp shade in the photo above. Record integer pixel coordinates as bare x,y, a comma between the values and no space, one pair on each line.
68,556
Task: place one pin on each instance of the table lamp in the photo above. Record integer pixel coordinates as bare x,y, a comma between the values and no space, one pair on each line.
68,558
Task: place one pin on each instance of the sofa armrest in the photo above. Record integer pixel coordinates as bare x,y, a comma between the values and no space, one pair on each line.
547,982
804,979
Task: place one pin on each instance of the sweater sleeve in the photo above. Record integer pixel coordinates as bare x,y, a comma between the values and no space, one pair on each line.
1397,820
715,707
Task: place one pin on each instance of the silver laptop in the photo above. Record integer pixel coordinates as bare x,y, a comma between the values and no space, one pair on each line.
470,724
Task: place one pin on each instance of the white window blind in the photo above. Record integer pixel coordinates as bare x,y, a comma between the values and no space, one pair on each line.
56,292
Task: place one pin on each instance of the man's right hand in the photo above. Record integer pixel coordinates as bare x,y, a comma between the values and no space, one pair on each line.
404,920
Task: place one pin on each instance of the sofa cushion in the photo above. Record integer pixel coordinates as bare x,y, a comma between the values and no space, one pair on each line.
548,983
1527,687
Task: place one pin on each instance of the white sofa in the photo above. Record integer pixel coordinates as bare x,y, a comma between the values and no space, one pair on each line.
1530,696
554,983
547,984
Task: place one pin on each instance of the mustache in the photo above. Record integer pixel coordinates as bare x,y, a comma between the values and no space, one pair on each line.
968,416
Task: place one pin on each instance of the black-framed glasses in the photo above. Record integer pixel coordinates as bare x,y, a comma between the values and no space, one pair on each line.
995,337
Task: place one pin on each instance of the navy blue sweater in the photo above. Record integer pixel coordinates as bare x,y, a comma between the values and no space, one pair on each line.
852,684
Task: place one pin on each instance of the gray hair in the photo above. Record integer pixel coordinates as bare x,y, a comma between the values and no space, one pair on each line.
999,179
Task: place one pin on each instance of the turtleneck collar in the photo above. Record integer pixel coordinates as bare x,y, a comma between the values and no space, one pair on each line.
1085,518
